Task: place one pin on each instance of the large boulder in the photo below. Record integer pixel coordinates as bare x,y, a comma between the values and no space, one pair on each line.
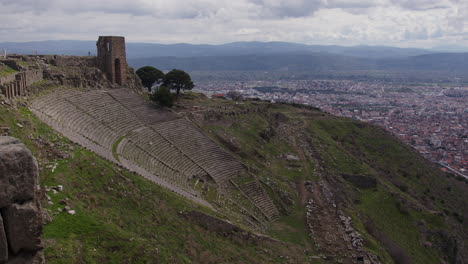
18,172
23,225
3,243
20,211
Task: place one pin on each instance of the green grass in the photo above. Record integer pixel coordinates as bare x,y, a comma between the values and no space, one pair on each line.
24,63
291,228
400,228
114,148
7,70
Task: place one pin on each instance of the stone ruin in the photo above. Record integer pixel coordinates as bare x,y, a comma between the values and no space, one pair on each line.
16,84
108,70
111,58
20,211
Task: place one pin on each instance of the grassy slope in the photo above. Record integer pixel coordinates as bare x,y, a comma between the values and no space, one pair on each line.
121,217
403,173
351,147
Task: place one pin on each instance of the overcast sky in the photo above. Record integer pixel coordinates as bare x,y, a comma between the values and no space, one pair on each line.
404,23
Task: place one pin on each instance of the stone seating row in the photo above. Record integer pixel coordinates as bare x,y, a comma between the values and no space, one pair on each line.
88,129
95,125
105,108
174,149
74,136
141,157
77,138
261,198
189,194
217,162
71,117
155,144
148,113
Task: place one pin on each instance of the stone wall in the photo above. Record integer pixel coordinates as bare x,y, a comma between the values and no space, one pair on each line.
16,84
20,212
7,79
33,76
11,63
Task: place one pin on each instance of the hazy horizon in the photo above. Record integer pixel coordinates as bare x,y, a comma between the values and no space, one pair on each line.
440,48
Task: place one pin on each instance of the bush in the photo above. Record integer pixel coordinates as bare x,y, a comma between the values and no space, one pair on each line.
163,96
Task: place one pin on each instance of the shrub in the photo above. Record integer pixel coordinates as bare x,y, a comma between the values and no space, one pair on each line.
163,96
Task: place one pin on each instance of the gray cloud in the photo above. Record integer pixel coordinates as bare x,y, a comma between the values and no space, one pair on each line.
422,23
424,4
288,8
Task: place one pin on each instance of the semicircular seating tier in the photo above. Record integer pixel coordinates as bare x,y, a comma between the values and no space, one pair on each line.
124,128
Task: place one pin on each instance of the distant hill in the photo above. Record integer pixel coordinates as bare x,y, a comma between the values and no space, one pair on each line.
145,50
257,62
443,62
448,62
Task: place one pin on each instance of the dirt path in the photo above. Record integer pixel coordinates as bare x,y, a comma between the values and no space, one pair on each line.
330,229
304,194
327,228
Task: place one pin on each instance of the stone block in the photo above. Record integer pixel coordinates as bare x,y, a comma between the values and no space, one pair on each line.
28,257
23,226
3,243
18,172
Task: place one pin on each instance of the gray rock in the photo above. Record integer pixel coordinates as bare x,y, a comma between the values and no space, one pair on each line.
23,225
46,217
18,172
3,243
291,157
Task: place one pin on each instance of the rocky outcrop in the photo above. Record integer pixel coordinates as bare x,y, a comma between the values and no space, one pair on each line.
225,228
20,218
40,72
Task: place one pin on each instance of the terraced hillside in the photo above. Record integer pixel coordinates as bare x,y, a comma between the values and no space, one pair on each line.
159,145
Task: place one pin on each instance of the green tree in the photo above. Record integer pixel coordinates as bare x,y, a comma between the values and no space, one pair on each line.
150,75
178,80
163,96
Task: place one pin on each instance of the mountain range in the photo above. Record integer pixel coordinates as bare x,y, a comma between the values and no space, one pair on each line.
262,56
145,50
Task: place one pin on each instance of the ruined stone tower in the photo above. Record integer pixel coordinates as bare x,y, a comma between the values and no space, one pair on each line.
111,58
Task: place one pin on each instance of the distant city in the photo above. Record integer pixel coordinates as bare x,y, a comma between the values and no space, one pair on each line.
431,118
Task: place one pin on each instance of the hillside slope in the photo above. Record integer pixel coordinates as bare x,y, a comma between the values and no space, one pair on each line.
120,216
345,191
324,168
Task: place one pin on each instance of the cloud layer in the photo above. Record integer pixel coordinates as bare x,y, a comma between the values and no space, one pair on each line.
417,23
